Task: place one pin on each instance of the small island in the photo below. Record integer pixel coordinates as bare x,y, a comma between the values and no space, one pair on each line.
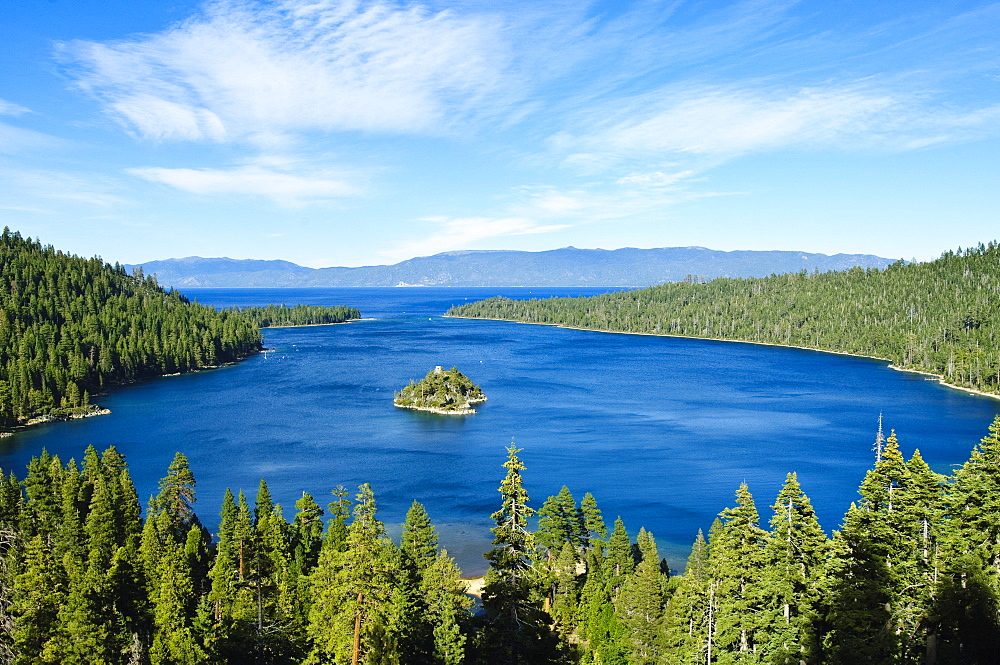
448,392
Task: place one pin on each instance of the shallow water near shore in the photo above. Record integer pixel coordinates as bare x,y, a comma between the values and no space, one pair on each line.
661,430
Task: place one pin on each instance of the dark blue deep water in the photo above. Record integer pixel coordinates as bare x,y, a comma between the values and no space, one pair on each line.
661,430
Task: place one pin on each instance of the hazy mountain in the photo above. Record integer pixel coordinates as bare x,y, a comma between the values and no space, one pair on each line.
568,266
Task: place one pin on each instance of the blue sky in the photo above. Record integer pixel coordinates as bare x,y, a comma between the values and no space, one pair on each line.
353,133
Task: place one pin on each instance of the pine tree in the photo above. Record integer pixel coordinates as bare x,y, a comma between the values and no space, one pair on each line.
689,613
795,555
592,520
177,497
419,540
516,631
856,595
965,609
564,600
352,591
736,561
619,561
560,522
640,605
599,624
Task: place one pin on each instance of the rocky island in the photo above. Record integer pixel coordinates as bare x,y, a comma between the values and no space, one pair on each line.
448,392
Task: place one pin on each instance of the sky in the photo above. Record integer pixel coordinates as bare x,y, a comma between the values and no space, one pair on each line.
345,133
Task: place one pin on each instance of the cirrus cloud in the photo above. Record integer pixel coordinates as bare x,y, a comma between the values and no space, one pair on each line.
292,189
246,69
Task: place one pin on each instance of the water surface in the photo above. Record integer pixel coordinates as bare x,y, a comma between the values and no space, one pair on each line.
661,430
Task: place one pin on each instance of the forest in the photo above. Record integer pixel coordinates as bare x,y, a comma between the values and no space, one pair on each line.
912,576
87,577
273,316
939,317
70,327
442,391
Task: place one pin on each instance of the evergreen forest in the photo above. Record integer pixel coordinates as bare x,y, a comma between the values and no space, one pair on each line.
441,391
273,316
912,576
939,317
70,327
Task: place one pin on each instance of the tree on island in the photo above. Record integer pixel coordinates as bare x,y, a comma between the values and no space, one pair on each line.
441,391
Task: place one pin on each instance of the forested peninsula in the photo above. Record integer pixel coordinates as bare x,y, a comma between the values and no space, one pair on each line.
910,578
277,316
70,327
939,317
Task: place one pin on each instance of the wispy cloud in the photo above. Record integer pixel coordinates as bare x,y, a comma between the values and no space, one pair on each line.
17,139
57,187
451,233
283,187
10,108
243,70
698,128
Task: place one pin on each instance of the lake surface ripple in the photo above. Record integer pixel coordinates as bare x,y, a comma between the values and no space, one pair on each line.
661,430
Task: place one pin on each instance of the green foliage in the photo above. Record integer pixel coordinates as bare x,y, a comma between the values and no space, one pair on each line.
274,316
516,630
70,326
910,578
939,317
447,391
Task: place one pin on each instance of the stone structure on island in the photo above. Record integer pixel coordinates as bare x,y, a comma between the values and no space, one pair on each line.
448,392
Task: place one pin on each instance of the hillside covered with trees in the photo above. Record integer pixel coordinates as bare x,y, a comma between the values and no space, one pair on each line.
939,317
71,326
910,578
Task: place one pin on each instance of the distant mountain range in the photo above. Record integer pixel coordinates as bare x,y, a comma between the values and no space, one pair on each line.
568,266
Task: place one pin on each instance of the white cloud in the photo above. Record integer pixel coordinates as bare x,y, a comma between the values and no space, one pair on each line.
10,108
656,179
23,187
16,139
728,121
703,126
281,186
464,232
247,69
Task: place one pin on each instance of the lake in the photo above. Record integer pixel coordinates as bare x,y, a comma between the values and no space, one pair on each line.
661,430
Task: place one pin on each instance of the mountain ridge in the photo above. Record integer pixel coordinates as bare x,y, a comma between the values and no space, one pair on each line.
566,266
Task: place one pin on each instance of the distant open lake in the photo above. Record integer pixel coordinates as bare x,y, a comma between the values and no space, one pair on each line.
661,430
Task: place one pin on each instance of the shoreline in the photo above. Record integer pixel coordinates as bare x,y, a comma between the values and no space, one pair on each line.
314,325
462,412
45,419
940,379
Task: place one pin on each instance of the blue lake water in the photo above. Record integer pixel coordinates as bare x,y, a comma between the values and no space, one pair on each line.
661,430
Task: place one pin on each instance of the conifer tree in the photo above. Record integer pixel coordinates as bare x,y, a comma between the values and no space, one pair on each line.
564,600
795,555
592,521
687,618
447,609
560,522
619,560
640,605
352,590
306,534
965,617
516,631
419,540
856,597
598,624
736,560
